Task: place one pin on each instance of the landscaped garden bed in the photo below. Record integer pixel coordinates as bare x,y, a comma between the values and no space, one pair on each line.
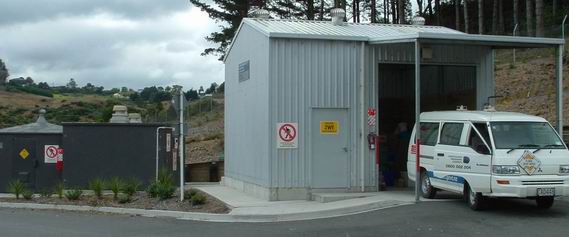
115,192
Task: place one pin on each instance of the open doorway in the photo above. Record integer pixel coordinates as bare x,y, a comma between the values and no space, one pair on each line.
443,87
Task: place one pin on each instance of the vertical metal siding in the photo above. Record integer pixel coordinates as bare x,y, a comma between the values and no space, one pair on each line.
308,74
246,110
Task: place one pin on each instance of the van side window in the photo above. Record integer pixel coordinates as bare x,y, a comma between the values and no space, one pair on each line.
483,129
475,142
450,135
429,133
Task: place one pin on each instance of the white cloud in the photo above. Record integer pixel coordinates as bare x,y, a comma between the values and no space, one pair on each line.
113,49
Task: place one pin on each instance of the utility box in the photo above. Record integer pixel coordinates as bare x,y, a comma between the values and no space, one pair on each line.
29,152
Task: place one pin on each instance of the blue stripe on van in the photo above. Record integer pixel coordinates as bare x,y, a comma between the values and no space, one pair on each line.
449,178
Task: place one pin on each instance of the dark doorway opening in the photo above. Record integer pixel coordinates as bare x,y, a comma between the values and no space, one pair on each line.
443,87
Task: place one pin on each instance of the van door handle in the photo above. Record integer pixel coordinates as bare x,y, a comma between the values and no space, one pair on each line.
440,154
345,149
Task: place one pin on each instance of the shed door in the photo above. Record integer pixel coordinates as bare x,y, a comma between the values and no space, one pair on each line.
330,148
24,161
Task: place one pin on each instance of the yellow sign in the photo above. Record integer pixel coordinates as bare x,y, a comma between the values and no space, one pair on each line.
24,153
329,127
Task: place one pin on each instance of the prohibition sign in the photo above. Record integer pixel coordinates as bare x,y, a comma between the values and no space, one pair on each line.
51,152
287,132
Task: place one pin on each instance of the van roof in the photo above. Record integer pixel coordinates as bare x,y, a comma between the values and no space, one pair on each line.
480,116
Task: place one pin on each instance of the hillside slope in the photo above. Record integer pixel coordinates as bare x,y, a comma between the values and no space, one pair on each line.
529,86
18,108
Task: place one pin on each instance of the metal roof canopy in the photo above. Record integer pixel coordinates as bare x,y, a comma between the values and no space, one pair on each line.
494,41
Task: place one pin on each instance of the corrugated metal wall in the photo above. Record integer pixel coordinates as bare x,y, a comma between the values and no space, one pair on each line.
308,74
247,109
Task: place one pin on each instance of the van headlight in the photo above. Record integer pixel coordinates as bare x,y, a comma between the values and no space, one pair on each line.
564,169
506,169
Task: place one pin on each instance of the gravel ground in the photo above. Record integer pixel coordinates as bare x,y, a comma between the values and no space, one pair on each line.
140,200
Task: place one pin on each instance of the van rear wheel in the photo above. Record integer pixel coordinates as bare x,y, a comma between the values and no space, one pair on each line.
427,190
474,200
544,202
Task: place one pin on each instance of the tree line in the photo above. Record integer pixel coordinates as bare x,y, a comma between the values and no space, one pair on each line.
534,17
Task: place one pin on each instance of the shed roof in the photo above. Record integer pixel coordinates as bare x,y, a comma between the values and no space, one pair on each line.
307,29
386,33
40,126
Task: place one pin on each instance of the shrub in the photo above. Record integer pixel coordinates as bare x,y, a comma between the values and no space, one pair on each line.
16,187
190,193
59,187
73,194
165,190
46,192
163,187
27,194
115,185
131,186
198,199
152,190
97,186
165,176
124,199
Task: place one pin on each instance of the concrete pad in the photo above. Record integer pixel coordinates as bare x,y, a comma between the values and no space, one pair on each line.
332,197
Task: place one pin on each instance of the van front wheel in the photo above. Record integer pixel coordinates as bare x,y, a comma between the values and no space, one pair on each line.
427,189
474,200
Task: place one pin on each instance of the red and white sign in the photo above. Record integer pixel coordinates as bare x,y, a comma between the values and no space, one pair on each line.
287,135
52,154
371,112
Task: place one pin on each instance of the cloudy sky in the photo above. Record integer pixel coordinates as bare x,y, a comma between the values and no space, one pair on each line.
113,43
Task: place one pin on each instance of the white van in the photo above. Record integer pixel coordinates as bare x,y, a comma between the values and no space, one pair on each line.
490,154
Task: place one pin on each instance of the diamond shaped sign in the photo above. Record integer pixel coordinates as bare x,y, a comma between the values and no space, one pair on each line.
24,153
529,163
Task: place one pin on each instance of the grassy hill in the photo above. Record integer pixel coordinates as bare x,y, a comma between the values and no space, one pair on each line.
18,108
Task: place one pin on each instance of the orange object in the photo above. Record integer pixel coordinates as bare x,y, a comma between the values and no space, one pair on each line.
503,181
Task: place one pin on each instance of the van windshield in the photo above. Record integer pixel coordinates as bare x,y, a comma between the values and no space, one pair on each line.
515,135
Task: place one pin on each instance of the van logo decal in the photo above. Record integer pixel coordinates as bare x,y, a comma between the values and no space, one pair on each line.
466,160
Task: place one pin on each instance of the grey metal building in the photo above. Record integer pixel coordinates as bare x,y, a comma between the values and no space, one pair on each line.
23,154
293,78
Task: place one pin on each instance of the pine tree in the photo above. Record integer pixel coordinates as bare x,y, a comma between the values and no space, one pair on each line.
465,16
529,17
228,12
3,73
539,24
480,16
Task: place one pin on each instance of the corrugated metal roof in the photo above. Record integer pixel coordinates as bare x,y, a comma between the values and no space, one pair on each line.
40,126
348,31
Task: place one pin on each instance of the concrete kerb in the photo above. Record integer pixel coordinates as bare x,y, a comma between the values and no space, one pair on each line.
193,216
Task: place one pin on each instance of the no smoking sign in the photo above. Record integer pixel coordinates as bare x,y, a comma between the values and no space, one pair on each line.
287,135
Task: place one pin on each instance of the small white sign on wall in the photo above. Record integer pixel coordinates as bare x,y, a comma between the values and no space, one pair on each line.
51,153
287,135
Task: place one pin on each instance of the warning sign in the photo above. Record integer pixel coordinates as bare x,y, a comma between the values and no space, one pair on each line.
329,127
287,135
51,154
24,153
371,112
